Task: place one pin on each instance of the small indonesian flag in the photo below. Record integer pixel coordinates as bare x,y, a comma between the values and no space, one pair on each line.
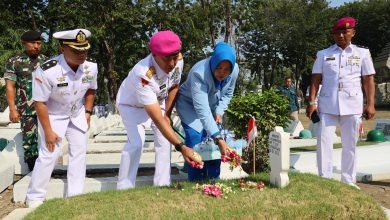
252,130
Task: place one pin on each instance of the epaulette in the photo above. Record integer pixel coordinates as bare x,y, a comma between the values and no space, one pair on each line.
90,59
362,46
49,64
180,57
151,72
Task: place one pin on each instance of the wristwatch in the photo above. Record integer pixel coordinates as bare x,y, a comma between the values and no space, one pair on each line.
312,103
217,139
178,146
89,112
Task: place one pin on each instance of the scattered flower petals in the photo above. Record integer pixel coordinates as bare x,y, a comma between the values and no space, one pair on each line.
232,157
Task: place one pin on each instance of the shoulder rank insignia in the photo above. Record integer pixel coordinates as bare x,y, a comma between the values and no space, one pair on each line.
90,59
49,64
362,46
180,57
151,72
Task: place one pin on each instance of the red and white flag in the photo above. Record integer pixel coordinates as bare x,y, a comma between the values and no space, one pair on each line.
252,130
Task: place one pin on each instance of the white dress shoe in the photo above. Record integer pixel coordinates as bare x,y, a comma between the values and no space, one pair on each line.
33,203
354,185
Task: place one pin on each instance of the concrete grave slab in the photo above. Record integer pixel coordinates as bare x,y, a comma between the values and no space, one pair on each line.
294,128
384,126
18,214
6,172
236,173
294,143
4,117
57,187
14,152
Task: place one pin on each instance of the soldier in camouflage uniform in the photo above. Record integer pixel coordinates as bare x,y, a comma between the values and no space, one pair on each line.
18,75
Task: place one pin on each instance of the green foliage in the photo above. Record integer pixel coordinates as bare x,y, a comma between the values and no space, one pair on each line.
269,109
3,100
272,38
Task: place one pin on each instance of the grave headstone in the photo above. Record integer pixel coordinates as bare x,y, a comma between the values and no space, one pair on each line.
279,153
294,128
384,126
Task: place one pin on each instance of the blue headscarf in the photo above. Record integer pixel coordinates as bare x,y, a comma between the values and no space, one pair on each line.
222,51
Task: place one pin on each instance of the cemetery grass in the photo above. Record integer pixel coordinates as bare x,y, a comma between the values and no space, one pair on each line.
306,197
335,146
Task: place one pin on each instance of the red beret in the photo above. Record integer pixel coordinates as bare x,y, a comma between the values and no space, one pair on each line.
165,43
344,23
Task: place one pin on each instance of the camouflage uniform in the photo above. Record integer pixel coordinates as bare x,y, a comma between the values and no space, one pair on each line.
20,69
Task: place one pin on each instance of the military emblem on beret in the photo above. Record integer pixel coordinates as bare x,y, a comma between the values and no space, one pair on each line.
151,72
347,24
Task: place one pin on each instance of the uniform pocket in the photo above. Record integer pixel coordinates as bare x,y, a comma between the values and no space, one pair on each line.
355,92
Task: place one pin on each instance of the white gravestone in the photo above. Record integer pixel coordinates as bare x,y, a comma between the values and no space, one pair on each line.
294,128
384,126
279,153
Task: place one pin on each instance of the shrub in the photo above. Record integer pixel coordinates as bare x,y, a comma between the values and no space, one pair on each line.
269,109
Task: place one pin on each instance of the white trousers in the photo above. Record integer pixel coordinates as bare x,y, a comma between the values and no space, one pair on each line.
136,120
349,126
46,161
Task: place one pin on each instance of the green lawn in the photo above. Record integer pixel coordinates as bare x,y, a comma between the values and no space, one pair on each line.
306,197
335,146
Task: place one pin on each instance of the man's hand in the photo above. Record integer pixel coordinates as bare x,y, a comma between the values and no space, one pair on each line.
88,117
51,139
370,111
190,155
14,116
218,118
310,109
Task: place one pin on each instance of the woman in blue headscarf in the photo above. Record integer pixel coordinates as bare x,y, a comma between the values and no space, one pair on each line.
203,99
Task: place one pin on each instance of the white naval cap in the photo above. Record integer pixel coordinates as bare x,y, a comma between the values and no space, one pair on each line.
77,38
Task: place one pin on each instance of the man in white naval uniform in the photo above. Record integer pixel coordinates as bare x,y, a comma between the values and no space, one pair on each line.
146,98
59,87
343,68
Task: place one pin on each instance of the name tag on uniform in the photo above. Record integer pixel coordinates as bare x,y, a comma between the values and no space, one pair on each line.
62,84
330,58
163,86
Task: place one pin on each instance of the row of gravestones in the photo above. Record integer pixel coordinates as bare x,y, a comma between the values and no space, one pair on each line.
12,154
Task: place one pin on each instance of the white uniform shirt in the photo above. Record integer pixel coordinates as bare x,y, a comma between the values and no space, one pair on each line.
341,70
147,83
63,90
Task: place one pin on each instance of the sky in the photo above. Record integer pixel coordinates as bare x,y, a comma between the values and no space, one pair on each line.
337,3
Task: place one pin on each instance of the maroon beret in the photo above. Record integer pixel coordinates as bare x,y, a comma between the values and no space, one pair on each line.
344,23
